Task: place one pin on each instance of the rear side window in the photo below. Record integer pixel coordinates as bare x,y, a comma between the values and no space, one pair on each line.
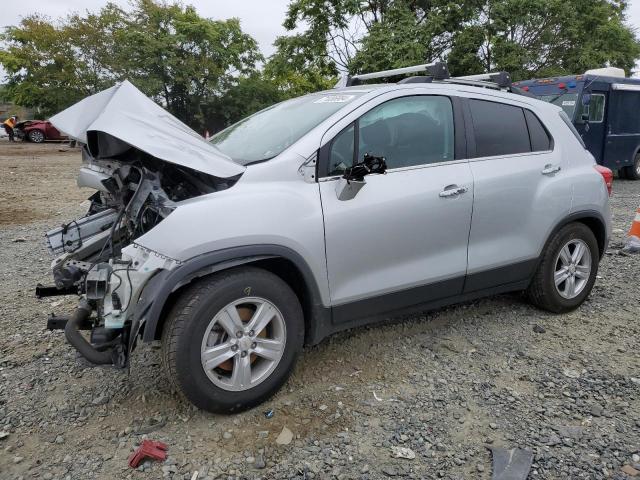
499,129
540,140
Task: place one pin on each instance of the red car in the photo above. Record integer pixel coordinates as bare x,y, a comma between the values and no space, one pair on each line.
38,131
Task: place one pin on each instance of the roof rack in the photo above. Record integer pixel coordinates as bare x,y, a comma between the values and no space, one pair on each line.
436,71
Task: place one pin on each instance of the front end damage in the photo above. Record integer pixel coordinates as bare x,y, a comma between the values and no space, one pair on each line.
97,257
142,163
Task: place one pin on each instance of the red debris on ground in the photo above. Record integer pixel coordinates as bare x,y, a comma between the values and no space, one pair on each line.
148,449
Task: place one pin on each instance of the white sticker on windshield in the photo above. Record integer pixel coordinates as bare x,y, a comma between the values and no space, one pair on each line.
335,99
569,103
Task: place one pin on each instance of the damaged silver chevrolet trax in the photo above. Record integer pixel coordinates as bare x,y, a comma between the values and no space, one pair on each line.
321,213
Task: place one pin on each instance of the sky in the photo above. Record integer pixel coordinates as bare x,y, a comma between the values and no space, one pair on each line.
262,19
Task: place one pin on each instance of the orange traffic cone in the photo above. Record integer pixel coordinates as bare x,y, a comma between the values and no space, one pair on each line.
633,238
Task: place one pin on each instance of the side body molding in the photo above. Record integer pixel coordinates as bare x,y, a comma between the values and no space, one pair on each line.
155,294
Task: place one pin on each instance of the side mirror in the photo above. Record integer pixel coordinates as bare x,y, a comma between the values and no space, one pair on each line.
353,179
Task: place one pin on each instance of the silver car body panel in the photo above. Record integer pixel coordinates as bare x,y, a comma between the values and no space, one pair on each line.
507,214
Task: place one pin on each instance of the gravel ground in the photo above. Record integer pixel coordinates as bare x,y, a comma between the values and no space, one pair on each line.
447,385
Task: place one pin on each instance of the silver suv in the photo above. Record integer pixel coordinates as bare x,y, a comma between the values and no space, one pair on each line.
321,213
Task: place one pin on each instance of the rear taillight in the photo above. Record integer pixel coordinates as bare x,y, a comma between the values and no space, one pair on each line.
607,176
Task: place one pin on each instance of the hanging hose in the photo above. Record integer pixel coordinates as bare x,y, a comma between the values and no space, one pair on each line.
75,338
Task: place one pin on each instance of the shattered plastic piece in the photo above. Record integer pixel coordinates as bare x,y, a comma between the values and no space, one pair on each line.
632,245
570,373
148,449
511,464
285,437
269,413
403,452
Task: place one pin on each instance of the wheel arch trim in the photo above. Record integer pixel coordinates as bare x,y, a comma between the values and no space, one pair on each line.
155,294
584,216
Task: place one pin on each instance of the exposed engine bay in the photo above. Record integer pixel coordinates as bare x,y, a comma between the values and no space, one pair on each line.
134,193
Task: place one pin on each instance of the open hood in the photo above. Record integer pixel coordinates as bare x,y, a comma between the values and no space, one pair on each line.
114,120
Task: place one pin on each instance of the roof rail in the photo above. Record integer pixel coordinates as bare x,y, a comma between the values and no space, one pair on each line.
500,79
437,70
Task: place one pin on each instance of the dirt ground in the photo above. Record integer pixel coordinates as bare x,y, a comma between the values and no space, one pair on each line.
30,188
449,385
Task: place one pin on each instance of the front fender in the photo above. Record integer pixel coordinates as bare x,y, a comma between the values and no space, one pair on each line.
154,296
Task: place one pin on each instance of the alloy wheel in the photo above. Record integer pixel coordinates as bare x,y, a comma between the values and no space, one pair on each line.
243,344
572,268
36,136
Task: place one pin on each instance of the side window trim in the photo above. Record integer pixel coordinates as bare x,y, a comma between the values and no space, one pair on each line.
460,150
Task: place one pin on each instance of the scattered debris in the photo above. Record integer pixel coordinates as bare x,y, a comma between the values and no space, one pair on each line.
567,372
3,435
375,395
403,452
148,449
539,329
195,475
269,413
632,245
19,240
629,470
511,464
285,437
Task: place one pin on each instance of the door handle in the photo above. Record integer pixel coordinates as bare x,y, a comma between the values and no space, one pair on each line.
453,191
551,169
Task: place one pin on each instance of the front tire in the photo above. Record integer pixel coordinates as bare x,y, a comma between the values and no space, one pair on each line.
36,136
567,270
232,339
632,172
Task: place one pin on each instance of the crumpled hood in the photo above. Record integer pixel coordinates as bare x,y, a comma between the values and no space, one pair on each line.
114,120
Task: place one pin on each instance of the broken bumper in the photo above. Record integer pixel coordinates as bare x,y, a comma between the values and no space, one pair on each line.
112,307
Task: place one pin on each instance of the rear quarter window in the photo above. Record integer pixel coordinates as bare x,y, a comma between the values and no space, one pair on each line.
499,129
540,138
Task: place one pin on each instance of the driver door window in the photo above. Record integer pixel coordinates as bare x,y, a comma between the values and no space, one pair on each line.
407,131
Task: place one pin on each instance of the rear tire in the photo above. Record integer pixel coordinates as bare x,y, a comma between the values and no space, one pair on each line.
632,172
560,263
196,338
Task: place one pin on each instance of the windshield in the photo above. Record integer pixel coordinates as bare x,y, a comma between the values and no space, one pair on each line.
567,101
268,133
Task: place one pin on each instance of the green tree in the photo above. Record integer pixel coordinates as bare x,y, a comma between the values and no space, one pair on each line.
185,62
527,37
